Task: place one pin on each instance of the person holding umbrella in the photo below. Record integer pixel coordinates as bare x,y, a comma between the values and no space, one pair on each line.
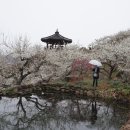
96,71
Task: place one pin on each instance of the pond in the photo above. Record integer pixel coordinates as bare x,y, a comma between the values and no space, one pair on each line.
60,112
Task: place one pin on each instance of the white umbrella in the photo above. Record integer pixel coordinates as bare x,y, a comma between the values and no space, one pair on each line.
95,62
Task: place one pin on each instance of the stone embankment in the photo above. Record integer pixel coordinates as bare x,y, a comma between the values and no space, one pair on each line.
126,126
20,90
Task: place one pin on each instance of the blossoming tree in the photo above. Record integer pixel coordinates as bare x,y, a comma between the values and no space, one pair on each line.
113,51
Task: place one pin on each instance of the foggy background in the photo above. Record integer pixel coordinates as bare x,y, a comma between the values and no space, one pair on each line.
81,20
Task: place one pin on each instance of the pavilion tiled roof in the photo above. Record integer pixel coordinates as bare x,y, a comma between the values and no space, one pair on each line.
56,38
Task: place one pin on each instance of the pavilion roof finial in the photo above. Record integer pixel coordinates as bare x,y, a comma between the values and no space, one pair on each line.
57,32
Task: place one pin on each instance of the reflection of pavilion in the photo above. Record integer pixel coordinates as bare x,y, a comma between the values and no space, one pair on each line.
56,40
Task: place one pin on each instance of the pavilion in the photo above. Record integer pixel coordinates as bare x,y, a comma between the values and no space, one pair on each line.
56,40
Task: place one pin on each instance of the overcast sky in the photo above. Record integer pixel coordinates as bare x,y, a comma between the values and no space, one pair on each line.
81,20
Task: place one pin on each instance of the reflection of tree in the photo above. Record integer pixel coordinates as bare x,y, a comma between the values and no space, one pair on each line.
20,104
78,111
85,110
26,119
31,113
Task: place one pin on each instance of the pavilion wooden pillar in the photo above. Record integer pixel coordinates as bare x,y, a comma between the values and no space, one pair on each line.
55,45
47,45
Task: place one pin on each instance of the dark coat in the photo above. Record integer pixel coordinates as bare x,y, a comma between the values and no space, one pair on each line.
96,70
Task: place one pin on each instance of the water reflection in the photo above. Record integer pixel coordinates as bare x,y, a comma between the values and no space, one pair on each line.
94,112
56,112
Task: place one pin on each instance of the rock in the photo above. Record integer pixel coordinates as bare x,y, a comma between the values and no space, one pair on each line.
77,92
62,90
81,92
85,92
90,93
126,127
